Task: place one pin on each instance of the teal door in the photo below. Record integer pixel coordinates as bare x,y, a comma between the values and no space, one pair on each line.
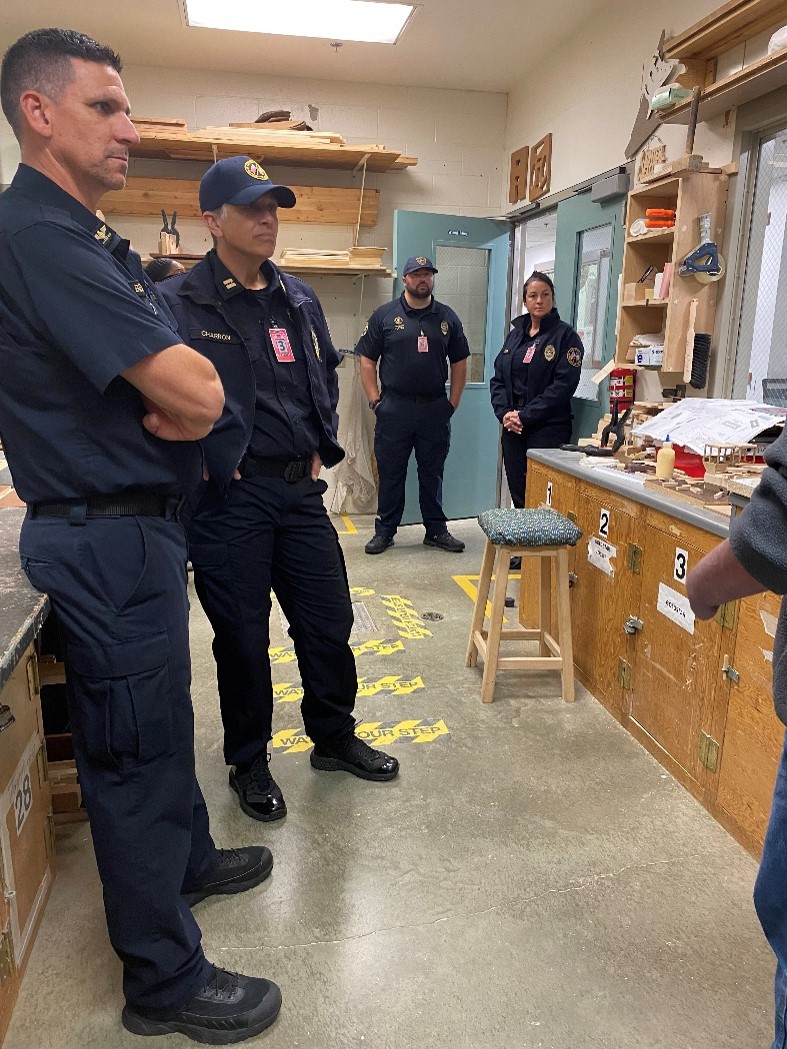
471,255
588,261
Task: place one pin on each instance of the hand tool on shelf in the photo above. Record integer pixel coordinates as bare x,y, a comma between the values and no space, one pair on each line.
616,425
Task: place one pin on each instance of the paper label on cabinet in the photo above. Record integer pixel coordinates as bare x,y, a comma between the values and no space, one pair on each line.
600,555
676,607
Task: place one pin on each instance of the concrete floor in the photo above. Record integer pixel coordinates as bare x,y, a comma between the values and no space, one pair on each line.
532,879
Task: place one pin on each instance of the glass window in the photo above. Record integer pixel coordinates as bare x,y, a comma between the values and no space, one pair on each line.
463,284
595,247
761,356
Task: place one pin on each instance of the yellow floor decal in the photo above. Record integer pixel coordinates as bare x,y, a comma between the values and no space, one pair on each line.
469,583
291,741
349,527
371,648
286,692
408,623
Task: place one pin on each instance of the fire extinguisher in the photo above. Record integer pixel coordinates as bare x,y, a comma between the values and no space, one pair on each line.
621,388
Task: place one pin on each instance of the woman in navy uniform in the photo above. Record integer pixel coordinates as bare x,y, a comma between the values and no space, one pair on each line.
101,405
536,375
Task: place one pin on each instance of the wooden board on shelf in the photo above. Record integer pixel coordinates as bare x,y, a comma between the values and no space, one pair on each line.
724,29
753,81
304,269
326,205
270,148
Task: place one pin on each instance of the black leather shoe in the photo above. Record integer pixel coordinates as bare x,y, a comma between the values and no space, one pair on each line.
228,1009
350,754
445,541
258,792
378,543
235,871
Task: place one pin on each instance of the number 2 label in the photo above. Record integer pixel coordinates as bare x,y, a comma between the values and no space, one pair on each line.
603,523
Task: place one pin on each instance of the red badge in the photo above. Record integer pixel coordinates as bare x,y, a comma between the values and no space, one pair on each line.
423,344
280,341
529,354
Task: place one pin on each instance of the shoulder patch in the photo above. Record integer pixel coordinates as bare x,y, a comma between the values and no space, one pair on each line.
444,327
574,357
399,323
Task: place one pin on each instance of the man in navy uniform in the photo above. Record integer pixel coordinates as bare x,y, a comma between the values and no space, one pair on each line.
101,405
415,338
259,521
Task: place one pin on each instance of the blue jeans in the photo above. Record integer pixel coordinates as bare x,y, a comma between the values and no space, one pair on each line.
770,897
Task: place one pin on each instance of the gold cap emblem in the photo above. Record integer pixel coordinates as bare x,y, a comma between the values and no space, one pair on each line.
251,167
421,260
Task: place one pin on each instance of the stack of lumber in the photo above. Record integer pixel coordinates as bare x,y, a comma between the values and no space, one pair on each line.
66,792
356,260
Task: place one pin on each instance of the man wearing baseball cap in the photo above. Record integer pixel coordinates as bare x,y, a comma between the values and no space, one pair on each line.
415,338
259,522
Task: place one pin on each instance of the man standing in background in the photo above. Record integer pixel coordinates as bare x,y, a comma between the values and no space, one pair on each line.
416,339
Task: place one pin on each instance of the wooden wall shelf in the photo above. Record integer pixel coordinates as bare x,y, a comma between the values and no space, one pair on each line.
725,29
317,204
753,81
306,269
203,145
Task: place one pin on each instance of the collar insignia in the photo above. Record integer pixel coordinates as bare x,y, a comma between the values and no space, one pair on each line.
229,284
102,234
316,344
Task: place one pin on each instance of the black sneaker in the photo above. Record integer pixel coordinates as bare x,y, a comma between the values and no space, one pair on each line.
378,543
229,1008
258,792
235,871
350,754
445,541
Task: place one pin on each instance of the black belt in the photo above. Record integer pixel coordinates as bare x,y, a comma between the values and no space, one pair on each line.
419,398
291,470
143,504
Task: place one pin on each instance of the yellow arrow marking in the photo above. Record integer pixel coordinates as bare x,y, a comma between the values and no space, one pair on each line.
291,740
361,591
287,693
373,732
404,617
429,733
281,655
377,648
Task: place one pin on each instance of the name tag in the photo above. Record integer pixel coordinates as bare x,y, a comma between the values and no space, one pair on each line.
529,354
423,344
280,341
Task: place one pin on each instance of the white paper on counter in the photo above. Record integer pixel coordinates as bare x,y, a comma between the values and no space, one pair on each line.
697,421
676,607
600,555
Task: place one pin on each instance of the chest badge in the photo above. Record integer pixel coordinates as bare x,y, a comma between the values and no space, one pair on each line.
549,352
399,323
316,345
574,357
444,327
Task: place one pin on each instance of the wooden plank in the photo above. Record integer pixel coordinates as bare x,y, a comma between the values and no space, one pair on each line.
725,28
201,145
329,205
753,81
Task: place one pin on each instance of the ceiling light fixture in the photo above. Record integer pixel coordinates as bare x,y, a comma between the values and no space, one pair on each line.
370,21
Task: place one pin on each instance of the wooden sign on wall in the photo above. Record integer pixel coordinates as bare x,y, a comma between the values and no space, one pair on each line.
517,183
541,167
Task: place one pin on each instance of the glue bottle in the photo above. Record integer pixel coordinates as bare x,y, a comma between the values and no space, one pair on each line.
665,461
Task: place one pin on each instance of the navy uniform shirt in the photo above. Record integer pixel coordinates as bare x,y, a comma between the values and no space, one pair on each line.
75,311
410,365
286,425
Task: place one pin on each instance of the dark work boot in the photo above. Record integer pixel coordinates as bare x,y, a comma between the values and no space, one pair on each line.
445,541
378,543
228,1009
258,792
350,754
235,871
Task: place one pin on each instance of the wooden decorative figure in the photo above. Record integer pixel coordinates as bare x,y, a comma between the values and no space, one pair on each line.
648,159
541,167
517,183
656,75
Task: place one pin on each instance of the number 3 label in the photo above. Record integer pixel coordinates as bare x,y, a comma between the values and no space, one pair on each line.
23,802
681,565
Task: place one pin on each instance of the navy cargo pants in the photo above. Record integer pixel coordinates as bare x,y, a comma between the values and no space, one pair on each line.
404,425
268,534
118,586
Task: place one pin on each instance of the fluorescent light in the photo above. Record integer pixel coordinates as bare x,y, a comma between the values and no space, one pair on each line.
366,20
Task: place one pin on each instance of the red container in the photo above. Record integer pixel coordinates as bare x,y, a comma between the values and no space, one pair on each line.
622,384
689,462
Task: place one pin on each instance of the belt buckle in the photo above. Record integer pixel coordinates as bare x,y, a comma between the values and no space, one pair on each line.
294,471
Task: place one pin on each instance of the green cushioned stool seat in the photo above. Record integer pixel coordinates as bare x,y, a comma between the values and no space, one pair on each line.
510,527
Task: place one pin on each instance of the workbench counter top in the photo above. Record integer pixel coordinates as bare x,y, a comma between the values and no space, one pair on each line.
22,609
578,465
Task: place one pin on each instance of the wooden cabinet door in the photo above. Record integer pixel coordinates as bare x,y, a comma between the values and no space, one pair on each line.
605,591
753,736
676,657
545,487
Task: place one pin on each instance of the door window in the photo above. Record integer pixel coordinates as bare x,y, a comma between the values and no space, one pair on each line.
595,248
464,286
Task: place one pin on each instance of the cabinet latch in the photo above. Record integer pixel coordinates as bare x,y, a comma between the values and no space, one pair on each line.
33,682
573,579
729,671
635,558
725,615
632,625
709,752
624,674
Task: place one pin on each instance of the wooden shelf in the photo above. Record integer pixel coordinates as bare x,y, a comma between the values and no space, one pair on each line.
765,75
663,235
318,204
305,270
206,146
646,305
725,28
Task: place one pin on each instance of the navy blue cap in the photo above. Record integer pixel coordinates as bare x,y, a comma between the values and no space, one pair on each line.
418,262
239,180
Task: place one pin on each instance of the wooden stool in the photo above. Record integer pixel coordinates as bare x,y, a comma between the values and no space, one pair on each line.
524,533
